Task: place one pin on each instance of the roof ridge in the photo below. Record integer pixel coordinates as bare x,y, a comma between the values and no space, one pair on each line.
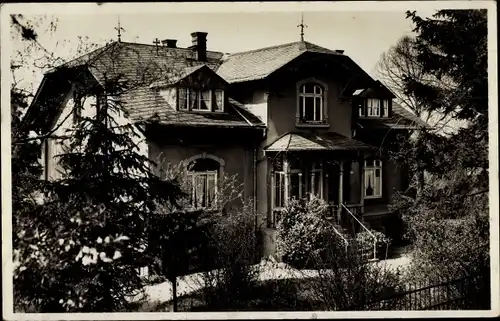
266,48
149,45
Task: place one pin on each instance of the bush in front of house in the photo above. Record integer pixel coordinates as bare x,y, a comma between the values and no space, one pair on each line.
232,243
365,239
342,280
301,231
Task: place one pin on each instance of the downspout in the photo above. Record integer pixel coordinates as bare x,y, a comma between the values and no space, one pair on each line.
254,170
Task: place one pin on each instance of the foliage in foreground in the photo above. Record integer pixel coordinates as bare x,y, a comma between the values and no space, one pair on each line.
448,219
87,241
231,252
301,231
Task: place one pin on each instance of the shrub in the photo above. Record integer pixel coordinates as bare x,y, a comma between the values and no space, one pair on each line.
231,251
301,231
342,281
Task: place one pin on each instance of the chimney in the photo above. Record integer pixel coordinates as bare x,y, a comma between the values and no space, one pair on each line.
170,43
339,51
199,40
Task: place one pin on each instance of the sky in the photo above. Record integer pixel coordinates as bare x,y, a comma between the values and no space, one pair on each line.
363,35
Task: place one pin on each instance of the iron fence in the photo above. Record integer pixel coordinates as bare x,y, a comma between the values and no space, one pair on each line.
466,293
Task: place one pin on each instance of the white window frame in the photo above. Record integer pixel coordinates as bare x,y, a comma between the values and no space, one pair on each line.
215,100
301,97
286,182
385,106
143,271
273,190
377,165
200,98
192,175
361,110
318,175
373,107
212,100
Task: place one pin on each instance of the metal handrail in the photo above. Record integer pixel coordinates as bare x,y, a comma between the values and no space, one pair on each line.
340,234
369,232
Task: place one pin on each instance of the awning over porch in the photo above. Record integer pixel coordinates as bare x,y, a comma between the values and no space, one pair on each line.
301,141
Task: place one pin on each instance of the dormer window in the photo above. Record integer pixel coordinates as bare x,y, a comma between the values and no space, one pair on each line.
311,105
385,105
190,99
219,100
374,107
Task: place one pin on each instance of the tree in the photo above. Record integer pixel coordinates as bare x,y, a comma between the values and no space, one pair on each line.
449,220
93,239
79,247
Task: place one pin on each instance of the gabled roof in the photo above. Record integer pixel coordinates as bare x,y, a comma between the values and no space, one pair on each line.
303,141
377,90
185,73
260,63
141,65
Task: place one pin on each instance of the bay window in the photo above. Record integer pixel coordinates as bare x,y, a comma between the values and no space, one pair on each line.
373,178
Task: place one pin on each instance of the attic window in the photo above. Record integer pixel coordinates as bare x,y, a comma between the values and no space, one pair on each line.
374,107
191,99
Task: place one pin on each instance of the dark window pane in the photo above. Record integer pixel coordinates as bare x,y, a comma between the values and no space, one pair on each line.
318,108
308,89
204,164
294,186
279,190
183,98
309,112
301,107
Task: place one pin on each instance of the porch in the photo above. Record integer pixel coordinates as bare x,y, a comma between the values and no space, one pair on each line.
329,167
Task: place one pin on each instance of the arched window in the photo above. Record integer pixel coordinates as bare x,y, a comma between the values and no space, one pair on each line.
311,105
203,176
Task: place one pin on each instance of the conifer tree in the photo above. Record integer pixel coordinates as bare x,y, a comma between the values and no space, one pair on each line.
448,221
94,221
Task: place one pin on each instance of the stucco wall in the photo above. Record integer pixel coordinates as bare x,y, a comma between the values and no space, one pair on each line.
238,159
282,109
